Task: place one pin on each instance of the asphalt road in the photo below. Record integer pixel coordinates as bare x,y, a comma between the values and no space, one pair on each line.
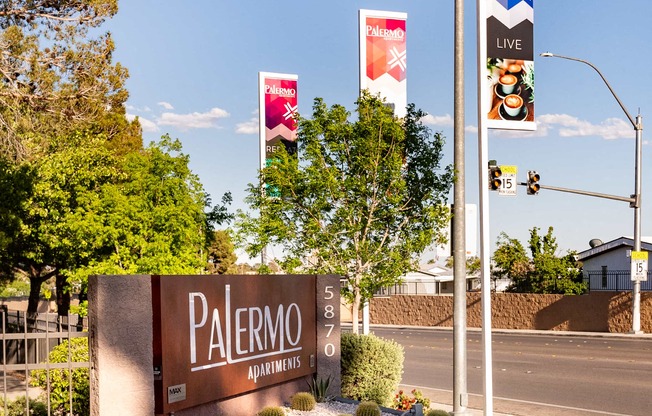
542,374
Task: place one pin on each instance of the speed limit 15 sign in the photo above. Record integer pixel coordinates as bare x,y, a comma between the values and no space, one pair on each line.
508,185
639,265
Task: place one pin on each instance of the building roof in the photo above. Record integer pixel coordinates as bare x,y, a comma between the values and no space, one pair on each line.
627,242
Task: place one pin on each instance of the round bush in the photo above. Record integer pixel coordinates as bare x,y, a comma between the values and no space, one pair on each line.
368,409
303,401
371,368
437,412
271,411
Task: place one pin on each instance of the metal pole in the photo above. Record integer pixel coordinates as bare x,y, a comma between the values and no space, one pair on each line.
636,290
485,251
636,204
460,395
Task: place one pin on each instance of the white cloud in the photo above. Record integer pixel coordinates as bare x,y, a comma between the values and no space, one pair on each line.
445,120
248,127
147,125
165,105
569,126
193,120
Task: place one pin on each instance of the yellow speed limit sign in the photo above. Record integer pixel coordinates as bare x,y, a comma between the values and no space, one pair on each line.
508,185
639,266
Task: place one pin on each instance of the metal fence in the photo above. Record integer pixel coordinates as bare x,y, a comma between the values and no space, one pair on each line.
26,344
613,280
421,287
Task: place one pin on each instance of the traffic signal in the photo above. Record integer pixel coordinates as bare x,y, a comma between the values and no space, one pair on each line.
533,182
494,178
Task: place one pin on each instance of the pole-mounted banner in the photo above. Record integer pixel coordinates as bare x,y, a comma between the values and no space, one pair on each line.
383,56
510,64
277,106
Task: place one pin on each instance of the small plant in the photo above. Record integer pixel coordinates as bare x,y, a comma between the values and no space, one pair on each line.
319,388
437,412
367,409
302,401
271,411
419,398
403,401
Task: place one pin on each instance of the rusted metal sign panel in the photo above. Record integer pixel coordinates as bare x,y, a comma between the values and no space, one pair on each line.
220,336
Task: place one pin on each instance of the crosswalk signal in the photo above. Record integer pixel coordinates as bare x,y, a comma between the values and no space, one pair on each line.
533,182
494,178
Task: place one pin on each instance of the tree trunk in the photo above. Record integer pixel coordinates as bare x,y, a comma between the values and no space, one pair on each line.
355,310
63,295
34,296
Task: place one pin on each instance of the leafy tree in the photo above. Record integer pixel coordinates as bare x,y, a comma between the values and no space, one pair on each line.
221,254
543,272
154,220
365,200
81,210
55,78
40,224
510,260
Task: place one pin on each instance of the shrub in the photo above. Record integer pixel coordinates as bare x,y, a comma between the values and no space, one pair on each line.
271,411
371,367
302,401
367,409
437,412
59,384
403,401
18,406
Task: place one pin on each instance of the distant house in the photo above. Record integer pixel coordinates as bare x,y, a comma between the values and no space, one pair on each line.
430,279
607,266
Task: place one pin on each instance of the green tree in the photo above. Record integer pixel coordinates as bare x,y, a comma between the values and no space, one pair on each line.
43,222
365,200
154,220
221,254
82,210
54,77
510,261
543,272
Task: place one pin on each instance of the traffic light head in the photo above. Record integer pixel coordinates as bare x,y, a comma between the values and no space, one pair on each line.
533,182
494,178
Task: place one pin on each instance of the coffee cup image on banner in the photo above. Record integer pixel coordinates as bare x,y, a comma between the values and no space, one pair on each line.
511,84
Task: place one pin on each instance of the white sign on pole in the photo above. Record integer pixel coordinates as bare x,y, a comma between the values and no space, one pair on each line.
639,266
508,180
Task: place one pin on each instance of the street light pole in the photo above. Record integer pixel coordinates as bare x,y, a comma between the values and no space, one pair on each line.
636,204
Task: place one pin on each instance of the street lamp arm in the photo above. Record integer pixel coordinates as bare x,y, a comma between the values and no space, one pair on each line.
631,119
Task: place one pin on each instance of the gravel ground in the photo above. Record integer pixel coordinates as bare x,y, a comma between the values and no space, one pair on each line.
332,408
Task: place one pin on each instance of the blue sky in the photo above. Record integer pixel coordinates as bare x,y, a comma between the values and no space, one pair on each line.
194,71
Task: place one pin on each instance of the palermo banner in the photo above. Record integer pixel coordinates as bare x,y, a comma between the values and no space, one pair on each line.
383,62
277,107
510,64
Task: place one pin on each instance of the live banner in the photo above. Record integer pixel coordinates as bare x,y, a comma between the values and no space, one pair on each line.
383,61
510,64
